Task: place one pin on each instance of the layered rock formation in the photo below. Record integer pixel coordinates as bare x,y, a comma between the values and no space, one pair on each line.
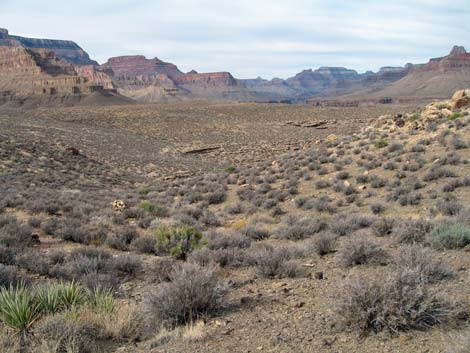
55,67
139,68
325,82
438,78
63,49
153,80
36,77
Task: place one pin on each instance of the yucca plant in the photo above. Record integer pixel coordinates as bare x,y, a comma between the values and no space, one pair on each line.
101,299
49,299
18,308
71,294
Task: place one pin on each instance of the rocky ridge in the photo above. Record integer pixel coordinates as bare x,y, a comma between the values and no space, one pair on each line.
62,67
153,80
63,49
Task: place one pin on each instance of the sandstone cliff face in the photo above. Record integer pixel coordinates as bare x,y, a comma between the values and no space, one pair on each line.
457,59
39,74
153,80
93,74
63,49
139,68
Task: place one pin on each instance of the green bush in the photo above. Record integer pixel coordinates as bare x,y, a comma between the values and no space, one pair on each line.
155,210
18,308
455,116
178,242
230,169
450,235
381,143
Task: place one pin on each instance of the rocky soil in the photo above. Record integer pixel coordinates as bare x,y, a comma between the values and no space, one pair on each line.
298,225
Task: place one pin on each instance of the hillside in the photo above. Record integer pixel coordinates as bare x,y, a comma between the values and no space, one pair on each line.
286,252
438,78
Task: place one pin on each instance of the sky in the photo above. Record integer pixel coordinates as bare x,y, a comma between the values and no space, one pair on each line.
250,38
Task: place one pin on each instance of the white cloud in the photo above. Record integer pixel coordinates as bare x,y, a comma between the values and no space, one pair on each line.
250,37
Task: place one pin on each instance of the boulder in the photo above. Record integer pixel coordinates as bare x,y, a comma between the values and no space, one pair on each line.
461,99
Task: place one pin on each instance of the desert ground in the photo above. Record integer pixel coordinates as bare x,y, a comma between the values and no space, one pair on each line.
235,227
163,139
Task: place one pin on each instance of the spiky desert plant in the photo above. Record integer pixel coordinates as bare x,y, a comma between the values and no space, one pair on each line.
71,294
101,299
49,298
18,308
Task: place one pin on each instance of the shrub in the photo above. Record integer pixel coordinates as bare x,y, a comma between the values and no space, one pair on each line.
273,262
234,209
230,257
377,208
17,235
122,239
144,244
192,292
154,210
343,175
418,263
323,204
256,232
10,276
7,256
129,264
458,144
71,230
300,228
436,173
32,262
216,241
411,198
324,243
451,235
377,182
344,224
390,305
34,222
178,242
380,143
413,231
361,251
216,197
64,333
383,227
50,226
449,207
322,184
